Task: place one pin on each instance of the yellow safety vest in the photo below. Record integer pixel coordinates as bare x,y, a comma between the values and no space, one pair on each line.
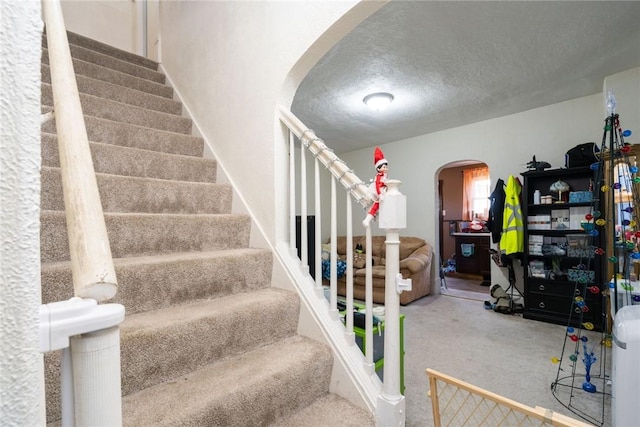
512,239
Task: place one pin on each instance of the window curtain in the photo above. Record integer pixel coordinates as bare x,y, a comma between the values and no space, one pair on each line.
469,178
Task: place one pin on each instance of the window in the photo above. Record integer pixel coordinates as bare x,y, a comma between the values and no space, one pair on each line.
623,175
476,191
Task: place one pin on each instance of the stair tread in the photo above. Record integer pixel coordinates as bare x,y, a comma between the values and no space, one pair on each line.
114,63
154,215
126,113
140,162
138,234
152,282
80,40
159,181
120,193
218,307
86,42
225,393
124,94
172,341
117,77
135,136
161,258
177,216
330,410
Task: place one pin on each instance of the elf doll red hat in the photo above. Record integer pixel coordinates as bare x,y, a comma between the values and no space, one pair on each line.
378,158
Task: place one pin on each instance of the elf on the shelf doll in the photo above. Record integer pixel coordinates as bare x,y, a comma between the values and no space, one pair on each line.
379,186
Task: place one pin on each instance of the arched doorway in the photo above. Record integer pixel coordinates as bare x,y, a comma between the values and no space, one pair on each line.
463,197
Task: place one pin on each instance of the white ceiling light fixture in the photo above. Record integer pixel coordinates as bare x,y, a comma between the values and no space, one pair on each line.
378,101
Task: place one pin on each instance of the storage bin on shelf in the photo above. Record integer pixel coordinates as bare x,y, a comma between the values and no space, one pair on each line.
536,269
578,246
580,196
581,251
578,275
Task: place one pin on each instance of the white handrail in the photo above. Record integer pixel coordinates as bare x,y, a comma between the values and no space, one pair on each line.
91,262
327,157
92,357
387,402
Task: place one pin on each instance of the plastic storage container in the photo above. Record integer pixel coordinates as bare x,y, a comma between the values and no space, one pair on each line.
625,372
578,246
576,275
536,197
467,249
580,196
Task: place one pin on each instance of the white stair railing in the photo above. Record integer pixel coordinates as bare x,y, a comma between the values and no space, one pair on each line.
87,333
385,399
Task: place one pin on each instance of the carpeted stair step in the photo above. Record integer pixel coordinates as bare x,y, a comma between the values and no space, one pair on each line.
125,161
117,64
254,389
117,111
79,40
168,342
113,62
206,339
135,234
118,93
82,41
127,135
154,282
149,195
330,410
98,72
174,341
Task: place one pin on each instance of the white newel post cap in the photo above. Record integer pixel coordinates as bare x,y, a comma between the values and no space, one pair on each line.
393,207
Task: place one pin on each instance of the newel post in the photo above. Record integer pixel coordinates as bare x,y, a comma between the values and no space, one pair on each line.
393,218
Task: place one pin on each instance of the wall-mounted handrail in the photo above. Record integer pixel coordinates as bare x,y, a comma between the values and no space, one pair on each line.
90,368
91,262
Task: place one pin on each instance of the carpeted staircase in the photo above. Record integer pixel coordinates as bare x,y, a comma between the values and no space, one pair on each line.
206,340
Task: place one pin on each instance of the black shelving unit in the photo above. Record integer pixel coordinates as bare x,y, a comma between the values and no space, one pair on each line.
552,294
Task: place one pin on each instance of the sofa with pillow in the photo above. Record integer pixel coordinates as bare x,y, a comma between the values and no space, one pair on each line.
416,256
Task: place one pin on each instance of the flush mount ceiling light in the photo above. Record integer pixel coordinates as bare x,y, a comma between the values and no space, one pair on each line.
378,101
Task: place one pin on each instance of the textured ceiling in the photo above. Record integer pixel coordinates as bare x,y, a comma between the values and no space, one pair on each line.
453,63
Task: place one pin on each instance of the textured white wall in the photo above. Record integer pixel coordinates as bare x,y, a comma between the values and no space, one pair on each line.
113,22
232,64
21,380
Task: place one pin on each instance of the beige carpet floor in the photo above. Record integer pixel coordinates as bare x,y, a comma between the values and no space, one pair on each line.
464,288
504,354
